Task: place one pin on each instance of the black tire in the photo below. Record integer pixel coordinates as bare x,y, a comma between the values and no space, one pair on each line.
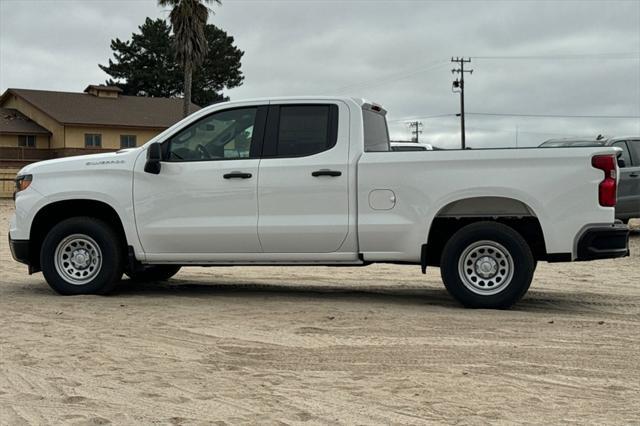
107,270
465,280
154,273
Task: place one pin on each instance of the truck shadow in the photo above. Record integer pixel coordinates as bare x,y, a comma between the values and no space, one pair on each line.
534,301
188,288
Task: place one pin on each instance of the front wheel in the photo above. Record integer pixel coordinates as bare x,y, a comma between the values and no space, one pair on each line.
487,265
81,255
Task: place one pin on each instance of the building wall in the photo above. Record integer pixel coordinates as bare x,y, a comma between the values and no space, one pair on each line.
56,129
7,183
110,135
42,141
66,139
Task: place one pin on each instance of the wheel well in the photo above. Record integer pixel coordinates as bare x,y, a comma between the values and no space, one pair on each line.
52,214
485,207
444,227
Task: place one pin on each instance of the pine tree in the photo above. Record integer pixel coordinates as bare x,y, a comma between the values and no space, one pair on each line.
145,65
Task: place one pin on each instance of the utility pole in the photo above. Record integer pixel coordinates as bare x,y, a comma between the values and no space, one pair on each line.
416,127
459,84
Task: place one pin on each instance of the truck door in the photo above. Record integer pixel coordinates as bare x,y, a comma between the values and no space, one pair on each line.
303,186
204,200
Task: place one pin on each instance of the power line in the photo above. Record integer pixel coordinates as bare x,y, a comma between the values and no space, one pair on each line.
426,117
495,114
490,114
436,64
529,132
599,56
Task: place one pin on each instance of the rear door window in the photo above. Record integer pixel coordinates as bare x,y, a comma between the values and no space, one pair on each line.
376,133
303,130
300,130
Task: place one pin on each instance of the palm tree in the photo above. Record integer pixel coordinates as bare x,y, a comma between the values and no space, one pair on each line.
188,19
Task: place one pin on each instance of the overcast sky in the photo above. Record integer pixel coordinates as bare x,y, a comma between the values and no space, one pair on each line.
578,58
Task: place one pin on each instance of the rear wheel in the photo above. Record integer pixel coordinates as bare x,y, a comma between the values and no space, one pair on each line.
154,273
81,255
487,265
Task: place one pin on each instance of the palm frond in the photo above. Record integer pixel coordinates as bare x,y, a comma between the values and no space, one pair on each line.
188,21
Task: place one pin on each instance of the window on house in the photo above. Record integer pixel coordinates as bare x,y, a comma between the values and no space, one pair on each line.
127,141
27,141
92,140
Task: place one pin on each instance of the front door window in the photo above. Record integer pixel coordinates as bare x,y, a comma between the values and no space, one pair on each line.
226,135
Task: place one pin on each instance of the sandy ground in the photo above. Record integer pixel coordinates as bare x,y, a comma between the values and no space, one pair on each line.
376,345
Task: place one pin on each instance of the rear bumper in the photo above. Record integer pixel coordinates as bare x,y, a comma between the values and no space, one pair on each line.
604,242
19,250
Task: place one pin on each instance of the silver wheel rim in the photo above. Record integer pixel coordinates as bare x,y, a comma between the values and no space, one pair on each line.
78,259
486,267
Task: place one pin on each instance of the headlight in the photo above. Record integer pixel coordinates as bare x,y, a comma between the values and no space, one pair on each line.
23,182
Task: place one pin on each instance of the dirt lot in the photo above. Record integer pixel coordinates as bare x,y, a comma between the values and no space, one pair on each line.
381,344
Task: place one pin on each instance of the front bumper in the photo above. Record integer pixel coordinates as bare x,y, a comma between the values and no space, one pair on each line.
604,242
19,250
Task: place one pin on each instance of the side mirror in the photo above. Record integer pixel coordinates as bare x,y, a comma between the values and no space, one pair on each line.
154,156
621,163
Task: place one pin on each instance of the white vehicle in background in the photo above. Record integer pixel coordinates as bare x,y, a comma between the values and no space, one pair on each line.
312,181
410,146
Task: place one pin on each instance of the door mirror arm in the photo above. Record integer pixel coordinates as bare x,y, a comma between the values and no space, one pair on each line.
154,157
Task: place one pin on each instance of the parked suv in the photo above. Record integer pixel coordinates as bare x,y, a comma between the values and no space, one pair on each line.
628,206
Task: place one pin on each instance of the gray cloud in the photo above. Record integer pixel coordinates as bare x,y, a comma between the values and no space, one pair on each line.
393,52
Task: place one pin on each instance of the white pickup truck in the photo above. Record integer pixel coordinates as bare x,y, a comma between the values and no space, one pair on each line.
312,181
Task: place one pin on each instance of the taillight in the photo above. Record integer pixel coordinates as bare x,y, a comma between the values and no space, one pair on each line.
608,188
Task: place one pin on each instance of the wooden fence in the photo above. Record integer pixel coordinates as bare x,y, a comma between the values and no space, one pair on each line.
7,182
